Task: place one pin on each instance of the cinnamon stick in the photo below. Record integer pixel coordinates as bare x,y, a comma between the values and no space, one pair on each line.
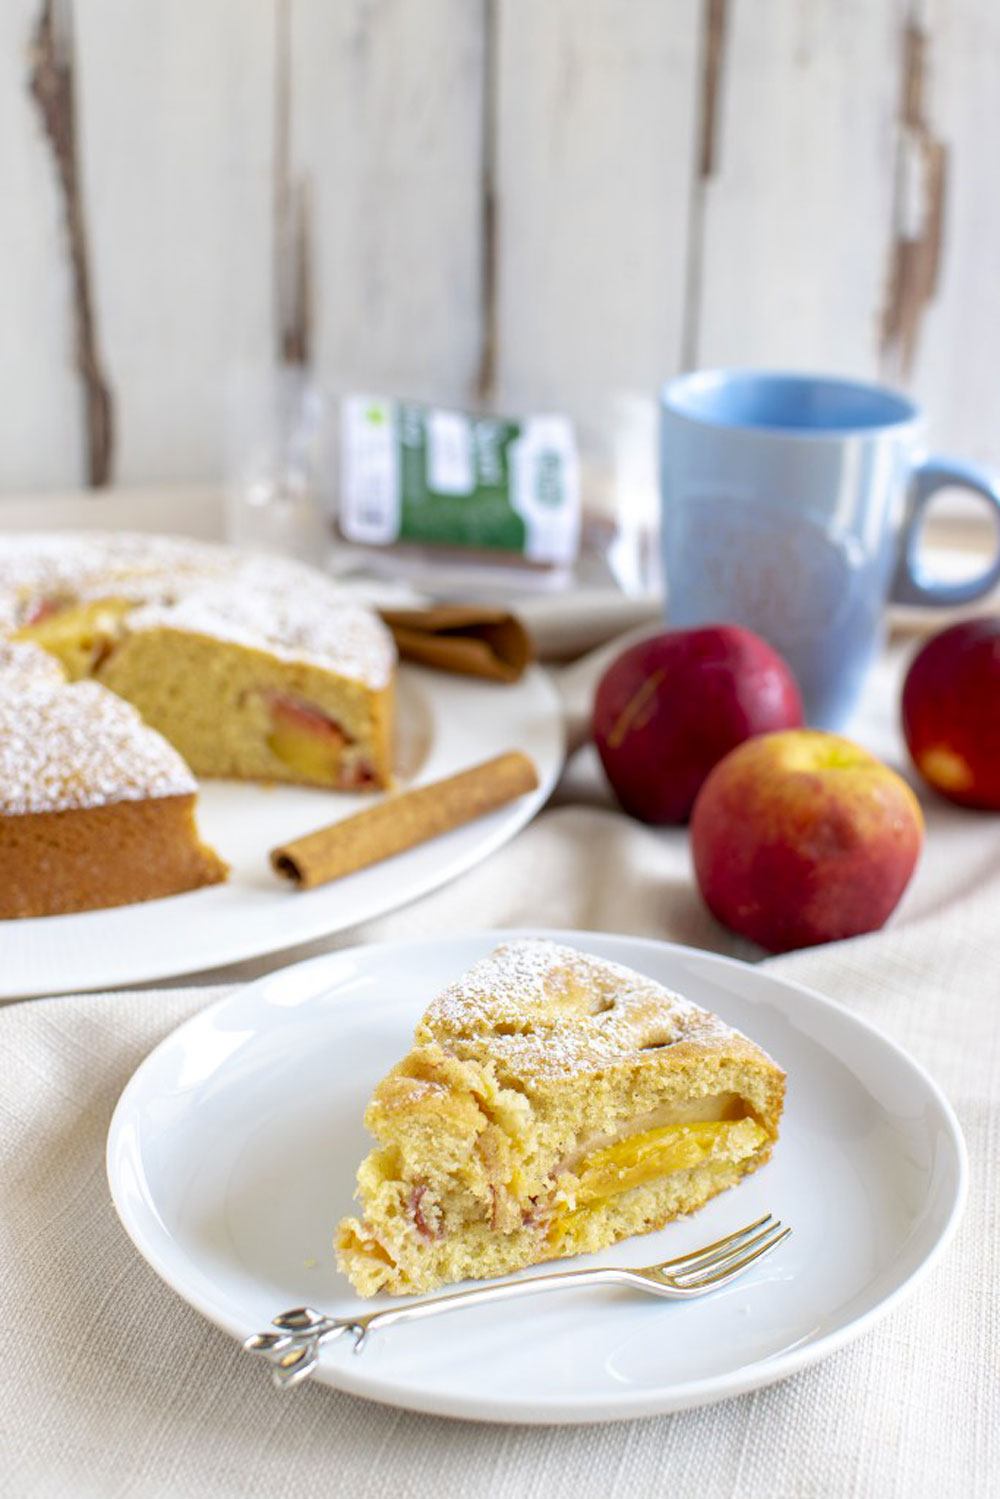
404,820
477,640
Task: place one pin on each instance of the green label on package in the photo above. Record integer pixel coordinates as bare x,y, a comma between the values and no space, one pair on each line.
443,478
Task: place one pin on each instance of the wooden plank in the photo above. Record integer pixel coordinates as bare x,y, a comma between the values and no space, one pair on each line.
798,210
176,125
595,151
955,365
386,141
41,430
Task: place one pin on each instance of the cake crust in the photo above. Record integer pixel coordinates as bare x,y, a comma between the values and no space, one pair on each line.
91,858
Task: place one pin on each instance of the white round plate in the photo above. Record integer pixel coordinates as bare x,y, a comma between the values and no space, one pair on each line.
233,1149
446,723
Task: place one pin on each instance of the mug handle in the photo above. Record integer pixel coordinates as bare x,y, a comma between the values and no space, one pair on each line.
911,585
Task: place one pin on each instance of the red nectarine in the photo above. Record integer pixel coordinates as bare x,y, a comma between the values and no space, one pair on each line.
804,837
669,708
951,712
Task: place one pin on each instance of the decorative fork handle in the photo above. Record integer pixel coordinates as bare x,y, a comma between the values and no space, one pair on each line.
293,1350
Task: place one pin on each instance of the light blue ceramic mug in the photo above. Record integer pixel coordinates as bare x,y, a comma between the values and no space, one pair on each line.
792,505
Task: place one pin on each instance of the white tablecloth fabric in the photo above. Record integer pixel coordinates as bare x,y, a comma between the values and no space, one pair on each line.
112,1386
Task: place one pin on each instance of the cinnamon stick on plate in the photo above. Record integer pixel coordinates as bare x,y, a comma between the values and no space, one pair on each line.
402,821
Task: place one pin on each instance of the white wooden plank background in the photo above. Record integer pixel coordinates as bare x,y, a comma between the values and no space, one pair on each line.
956,370
386,137
596,101
176,120
41,432
610,263
798,218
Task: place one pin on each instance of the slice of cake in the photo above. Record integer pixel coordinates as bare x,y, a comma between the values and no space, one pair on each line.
552,1104
96,809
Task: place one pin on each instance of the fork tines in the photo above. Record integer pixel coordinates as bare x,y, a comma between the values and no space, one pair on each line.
713,1264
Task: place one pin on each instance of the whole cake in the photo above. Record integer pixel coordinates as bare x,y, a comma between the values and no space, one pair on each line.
552,1103
234,665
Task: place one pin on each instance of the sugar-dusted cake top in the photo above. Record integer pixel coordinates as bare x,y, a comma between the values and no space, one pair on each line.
546,1010
79,746
267,602
24,666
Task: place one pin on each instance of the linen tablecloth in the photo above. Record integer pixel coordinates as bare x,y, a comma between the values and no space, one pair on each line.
113,1386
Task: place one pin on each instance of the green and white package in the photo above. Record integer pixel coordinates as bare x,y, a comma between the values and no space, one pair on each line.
423,474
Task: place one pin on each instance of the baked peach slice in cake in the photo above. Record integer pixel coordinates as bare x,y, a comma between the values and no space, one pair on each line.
552,1104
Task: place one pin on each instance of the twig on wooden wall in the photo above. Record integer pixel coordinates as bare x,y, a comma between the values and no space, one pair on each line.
714,41
296,338
52,84
293,283
486,373
714,28
918,211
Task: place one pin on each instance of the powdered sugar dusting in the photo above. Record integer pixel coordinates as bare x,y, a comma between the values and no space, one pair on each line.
24,666
78,746
305,627
267,602
68,566
547,1009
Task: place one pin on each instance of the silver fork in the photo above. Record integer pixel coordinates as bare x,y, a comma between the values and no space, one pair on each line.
293,1351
